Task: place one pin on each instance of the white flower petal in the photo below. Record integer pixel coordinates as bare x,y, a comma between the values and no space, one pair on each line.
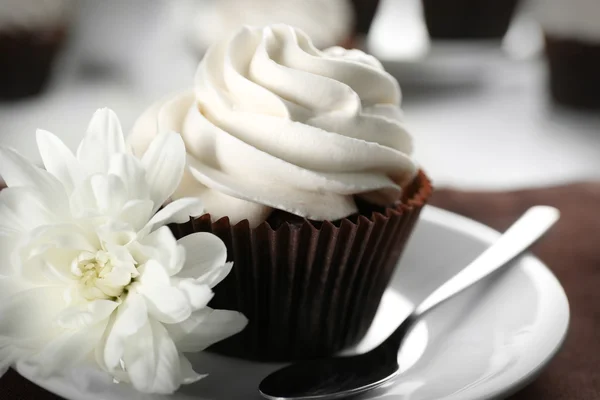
178,211
136,213
167,304
86,315
101,347
152,360
118,277
131,317
9,245
198,294
164,163
133,174
103,139
152,273
214,277
98,196
10,355
10,286
161,246
53,266
7,359
67,350
17,171
59,160
206,327
110,193
82,201
30,314
115,233
14,221
5,363
22,209
205,258
188,375
62,236
120,255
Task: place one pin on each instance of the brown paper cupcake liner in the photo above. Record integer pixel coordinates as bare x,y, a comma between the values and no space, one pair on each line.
309,289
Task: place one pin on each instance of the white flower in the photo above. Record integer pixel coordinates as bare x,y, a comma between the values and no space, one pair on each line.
88,268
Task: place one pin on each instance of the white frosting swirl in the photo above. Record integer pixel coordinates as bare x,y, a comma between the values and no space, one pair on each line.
570,19
327,22
33,14
275,123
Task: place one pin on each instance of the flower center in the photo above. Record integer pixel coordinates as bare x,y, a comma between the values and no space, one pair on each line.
100,277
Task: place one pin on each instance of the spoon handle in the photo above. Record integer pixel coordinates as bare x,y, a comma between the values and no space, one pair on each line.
514,242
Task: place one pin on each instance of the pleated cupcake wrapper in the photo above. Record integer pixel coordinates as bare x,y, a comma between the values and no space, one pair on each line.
308,291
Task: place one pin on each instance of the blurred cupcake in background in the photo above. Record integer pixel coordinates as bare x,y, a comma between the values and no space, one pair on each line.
31,34
364,14
327,22
468,19
572,32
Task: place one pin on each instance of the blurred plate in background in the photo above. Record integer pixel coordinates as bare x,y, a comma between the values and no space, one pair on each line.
448,63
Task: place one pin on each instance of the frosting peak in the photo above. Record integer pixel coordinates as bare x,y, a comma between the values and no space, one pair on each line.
275,123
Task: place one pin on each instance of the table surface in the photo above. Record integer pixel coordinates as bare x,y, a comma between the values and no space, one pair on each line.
483,122
481,118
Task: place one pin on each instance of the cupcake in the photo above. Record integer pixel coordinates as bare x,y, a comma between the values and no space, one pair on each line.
31,34
327,22
305,170
468,19
572,31
364,13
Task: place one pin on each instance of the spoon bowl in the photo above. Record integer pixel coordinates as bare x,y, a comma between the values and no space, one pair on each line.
316,379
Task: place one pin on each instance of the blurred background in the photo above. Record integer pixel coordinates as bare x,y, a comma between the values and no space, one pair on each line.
498,94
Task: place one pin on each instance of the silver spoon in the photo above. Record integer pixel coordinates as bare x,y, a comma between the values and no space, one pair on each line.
340,377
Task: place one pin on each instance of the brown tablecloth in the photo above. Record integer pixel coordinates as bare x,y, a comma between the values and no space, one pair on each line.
571,250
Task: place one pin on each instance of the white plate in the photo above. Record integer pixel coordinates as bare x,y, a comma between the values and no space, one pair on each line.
486,343
399,39
446,63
